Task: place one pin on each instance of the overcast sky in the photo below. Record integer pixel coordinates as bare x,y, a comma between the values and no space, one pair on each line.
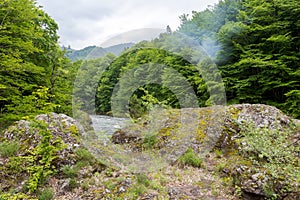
94,22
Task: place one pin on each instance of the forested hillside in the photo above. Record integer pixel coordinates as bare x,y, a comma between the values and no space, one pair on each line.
255,45
94,52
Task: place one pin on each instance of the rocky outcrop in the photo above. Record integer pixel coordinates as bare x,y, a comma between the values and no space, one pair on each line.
245,152
61,127
202,129
222,129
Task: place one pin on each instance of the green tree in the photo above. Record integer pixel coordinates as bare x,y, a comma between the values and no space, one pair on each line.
143,72
30,57
264,51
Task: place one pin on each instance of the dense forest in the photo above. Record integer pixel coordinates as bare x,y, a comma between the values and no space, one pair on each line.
36,77
255,45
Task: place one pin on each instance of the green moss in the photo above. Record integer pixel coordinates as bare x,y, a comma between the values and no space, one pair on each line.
200,135
165,132
234,112
73,130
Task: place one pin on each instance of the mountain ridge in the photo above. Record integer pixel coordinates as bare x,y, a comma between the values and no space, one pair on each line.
94,52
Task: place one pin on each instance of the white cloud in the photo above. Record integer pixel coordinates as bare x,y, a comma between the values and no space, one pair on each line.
92,22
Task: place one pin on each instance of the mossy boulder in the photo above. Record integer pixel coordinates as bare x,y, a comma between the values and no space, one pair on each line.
232,130
34,151
63,129
201,129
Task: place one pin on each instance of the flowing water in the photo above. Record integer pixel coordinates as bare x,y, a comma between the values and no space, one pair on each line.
107,124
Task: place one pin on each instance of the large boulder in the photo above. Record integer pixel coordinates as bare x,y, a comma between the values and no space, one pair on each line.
255,172
49,146
61,127
202,129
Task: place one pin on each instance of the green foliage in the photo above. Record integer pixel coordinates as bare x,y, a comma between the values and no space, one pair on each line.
18,196
293,103
190,158
86,83
72,184
35,76
43,154
29,106
38,162
8,148
146,74
256,45
85,185
280,163
149,141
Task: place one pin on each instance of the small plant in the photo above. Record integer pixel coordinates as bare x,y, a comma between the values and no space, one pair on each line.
238,191
149,141
190,158
218,153
270,194
8,148
143,179
85,185
220,166
84,156
109,172
72,184
46,194
70,172
214,191
139,190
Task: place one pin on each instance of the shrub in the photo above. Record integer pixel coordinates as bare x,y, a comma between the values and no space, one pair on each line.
72,184
274,152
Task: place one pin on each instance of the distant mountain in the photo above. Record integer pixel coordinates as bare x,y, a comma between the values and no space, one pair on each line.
93,52
119,48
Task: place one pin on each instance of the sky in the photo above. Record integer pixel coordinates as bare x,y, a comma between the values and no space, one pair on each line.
104,23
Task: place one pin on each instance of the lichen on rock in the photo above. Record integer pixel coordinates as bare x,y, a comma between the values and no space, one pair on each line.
45,145
223,128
